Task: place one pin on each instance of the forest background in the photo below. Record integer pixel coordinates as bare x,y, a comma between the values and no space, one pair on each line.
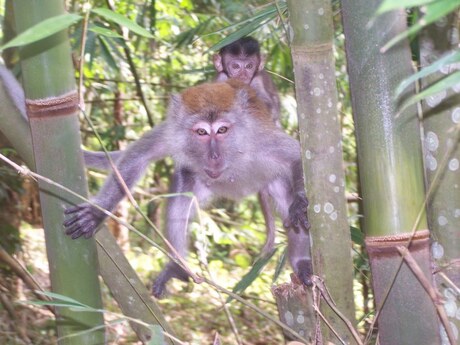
127,82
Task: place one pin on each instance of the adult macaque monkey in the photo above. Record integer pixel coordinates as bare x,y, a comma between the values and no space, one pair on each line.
242,60
224,145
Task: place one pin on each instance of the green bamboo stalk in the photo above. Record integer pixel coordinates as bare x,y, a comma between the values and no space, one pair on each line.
442,155
48,75
129,292
311,31
391,173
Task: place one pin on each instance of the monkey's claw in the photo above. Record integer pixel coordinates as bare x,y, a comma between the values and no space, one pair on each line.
83,220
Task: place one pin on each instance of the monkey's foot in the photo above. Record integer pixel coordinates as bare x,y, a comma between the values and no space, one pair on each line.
83,220
172,270
304,272
298,219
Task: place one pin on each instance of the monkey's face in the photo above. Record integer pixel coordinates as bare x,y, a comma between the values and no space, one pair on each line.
209,146
243,68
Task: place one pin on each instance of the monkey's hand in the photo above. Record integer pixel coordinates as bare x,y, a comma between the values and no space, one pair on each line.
172,270
298,219
83,220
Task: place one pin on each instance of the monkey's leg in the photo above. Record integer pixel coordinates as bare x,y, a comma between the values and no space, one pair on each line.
264,199
180,209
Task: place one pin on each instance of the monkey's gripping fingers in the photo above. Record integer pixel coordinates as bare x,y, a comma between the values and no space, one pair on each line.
83,220
304,271
172,270
298,219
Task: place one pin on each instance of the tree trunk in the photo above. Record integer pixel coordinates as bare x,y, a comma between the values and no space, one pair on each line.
391,174
52,110
311,39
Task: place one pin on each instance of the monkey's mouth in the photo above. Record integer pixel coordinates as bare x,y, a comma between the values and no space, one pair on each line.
213,173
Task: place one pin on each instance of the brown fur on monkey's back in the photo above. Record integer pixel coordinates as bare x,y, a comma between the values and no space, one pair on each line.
221,96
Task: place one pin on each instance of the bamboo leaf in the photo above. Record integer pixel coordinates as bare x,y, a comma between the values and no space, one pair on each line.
247,26
122,20
433,68
434,11
107,54
443,84
43,30
252,275
280,264
390,5
103,31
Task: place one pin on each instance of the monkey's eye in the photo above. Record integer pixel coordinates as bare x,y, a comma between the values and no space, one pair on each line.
201,131
222,130
249,66
235,66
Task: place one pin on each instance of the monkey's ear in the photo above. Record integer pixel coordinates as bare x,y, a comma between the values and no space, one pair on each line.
217,59
262,62
175,103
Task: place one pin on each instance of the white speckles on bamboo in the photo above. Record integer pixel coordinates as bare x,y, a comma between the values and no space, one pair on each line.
433,100
289,318
321,11
431,162
318,110
454,36
333,215
328,208
321,76
453,164
331,149
332,178
317,91
308,154
431,141
336,189
451,307
306,26
437,250
457,213
300,318
317,208
456,115
442,221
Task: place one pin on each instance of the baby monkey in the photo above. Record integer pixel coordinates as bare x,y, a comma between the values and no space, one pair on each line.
242,60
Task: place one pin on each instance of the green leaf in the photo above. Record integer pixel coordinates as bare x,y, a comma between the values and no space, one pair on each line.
157,335
433,12
357,236
247,26
433,68
253,274
104,31
43,30
390,5
280,264
441,85
107,54
122,20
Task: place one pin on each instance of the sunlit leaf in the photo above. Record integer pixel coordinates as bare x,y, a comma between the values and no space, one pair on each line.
443,84
107,55
157,335
433,68
103,31
247,26
43,30
122,20
434,11
389,5
253,274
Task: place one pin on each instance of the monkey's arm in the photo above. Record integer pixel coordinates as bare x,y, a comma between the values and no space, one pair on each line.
99,160
84,219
